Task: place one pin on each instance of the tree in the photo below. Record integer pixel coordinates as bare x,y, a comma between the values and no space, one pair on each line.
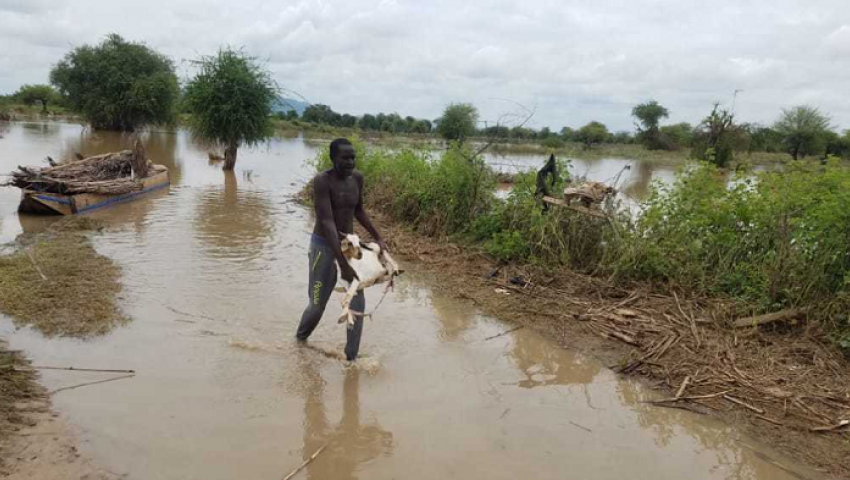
718,137
803,130
230,100
421,126
368,122
118,85
458,122
675,137
323,114
568,134
764,139
624,138
30,94
649,114
593,133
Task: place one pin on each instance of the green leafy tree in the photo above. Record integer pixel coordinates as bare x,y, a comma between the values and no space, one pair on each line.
230,100
568,134
522,133
368,122
118,85
649,115
675,137
592,134
32,94
764,139
803,130
624,138
458,122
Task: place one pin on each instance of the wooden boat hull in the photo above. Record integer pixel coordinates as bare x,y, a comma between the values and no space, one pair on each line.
57,204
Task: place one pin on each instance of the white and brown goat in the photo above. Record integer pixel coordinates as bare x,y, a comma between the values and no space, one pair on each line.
372,266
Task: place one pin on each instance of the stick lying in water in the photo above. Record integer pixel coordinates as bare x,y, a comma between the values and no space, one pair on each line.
83,369
90,383
307,462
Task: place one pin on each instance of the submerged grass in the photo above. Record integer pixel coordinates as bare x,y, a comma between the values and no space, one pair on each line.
58,283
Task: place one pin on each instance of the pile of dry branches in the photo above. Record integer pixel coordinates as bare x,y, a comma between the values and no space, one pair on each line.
110,173
779,378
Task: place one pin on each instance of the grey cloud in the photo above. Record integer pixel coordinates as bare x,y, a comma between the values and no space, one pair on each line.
575,61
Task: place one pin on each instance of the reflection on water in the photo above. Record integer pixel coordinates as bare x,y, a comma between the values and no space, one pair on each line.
234,223
548,364
352,441
219,260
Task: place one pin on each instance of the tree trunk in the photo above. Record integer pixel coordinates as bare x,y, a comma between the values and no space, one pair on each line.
43,106
230,155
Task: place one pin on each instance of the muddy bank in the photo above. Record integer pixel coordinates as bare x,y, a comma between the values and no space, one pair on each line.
56,282
779,383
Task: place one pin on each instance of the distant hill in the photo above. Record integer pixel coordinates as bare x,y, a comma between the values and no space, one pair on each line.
283,105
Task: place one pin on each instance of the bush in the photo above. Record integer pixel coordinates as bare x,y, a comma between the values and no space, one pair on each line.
553,143
779,239
770,240
438,194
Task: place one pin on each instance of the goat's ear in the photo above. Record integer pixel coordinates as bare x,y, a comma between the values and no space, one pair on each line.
341,235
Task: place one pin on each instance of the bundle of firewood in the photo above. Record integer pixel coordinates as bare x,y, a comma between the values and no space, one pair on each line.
110,173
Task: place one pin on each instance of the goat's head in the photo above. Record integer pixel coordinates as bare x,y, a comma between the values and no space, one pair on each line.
349,244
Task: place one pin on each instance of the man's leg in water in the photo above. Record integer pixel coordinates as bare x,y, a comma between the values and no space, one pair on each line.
352,344
322,281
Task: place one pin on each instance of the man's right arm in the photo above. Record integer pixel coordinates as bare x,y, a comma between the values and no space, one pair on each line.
325,219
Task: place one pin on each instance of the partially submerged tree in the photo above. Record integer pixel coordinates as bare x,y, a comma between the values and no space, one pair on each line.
803,130
649,115
230,100
592,134
458,122
118,85
32,94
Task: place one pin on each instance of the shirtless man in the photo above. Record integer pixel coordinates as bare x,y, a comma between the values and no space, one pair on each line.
338,199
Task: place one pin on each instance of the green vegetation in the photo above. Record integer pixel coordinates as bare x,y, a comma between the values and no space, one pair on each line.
649,114
458,122
804,130
230,101
768,240
717,138
118,85
594,133
30,94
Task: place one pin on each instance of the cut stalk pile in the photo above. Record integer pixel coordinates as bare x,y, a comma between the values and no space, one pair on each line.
106,174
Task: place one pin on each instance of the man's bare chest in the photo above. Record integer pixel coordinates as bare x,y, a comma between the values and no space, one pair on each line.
345,194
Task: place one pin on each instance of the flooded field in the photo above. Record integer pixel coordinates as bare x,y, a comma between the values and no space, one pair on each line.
215,279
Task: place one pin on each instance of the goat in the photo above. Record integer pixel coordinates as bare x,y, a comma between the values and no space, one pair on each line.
372,266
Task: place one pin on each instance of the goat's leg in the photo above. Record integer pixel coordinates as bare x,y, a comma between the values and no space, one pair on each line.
346,303
393,267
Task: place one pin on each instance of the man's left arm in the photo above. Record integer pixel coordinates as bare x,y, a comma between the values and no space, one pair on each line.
363,217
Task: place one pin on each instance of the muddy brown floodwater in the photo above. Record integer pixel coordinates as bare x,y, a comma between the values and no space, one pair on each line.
214,274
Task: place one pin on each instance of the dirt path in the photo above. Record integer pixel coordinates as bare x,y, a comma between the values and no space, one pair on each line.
780,384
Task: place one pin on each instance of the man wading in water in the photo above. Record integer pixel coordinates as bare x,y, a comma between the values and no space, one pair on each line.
338,198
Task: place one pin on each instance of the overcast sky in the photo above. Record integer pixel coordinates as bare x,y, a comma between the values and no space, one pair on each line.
575,61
